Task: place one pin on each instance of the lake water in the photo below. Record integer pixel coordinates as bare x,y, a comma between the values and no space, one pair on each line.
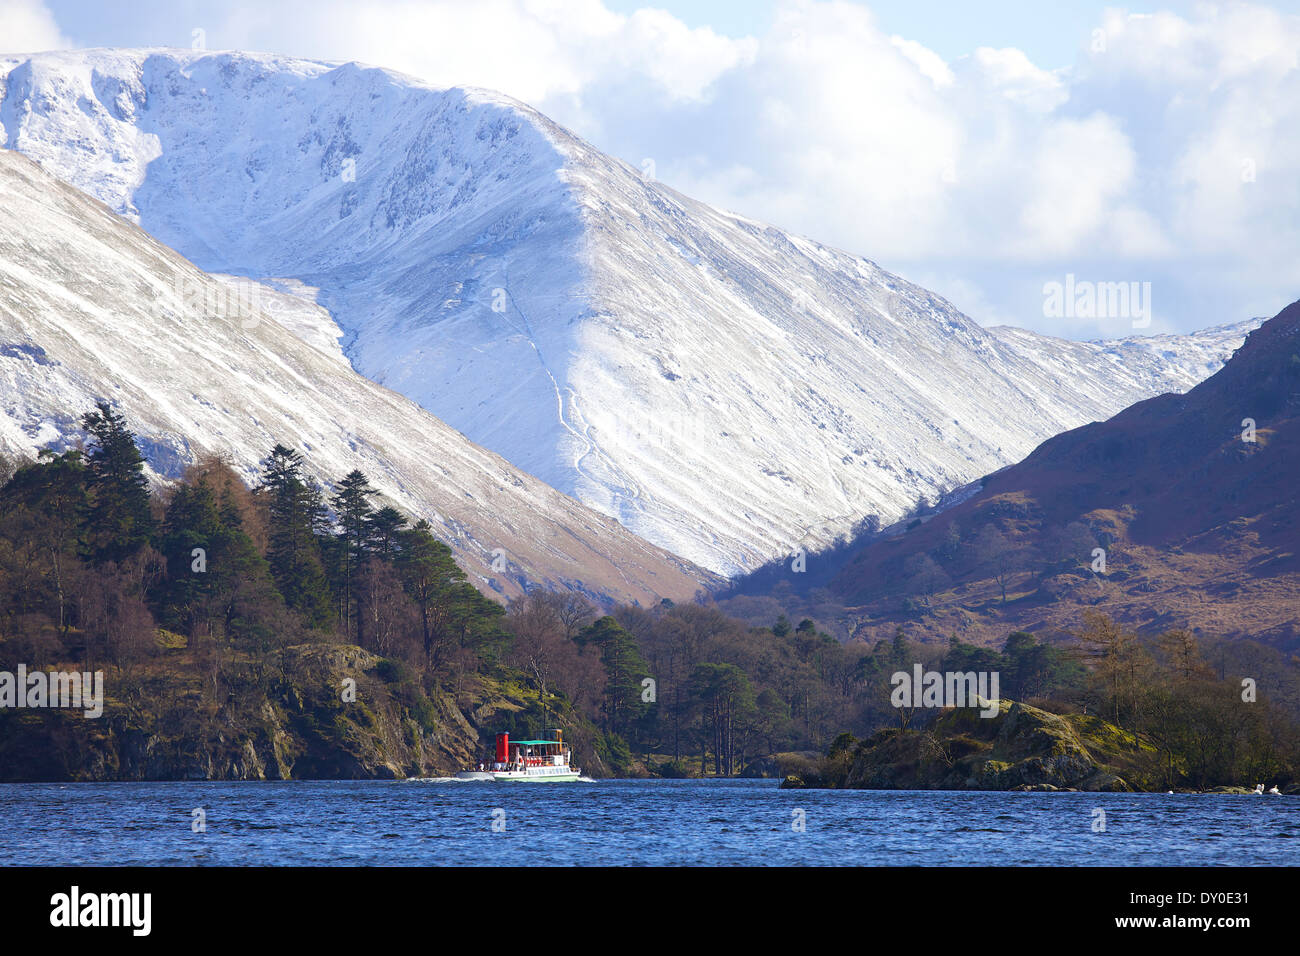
714,822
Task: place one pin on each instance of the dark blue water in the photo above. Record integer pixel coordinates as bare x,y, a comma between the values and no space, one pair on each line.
721,822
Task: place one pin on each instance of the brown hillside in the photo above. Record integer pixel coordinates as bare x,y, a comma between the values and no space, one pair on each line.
1199,526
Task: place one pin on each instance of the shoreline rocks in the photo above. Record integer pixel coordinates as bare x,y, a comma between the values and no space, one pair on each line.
1022,749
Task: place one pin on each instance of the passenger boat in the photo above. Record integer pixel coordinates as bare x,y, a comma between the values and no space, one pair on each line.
530,761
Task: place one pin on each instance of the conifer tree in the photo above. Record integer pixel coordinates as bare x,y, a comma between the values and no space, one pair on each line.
353,510
386,526
428,570
296,516
624,670
119,520
214,572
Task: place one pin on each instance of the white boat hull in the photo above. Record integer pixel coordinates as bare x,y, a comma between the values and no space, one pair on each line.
538,775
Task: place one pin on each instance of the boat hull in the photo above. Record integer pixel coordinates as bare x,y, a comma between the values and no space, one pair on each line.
523,776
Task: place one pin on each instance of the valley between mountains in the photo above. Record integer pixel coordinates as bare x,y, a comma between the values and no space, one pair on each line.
508,435
724,390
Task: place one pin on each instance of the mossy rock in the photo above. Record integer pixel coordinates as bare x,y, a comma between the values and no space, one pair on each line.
797,763
994,767
1023,748
170,640
1026,731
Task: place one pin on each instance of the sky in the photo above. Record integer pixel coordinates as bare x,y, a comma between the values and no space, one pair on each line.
994,152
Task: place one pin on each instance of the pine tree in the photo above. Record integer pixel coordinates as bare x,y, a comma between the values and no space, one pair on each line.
296,517
119,520
624,670
386,526
191,535
725,697
353,510
428,571
452,611
216,580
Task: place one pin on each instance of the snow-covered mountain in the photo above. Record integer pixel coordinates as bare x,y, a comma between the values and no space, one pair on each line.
92,308
724,389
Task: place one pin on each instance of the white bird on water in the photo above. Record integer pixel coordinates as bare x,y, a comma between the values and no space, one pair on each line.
1259,789
1274,789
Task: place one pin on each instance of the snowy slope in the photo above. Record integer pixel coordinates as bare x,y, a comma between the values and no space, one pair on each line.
724,389
93,308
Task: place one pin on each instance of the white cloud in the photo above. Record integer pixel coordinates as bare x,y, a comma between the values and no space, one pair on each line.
26,26
533,50
1010,73
1069,187
926,60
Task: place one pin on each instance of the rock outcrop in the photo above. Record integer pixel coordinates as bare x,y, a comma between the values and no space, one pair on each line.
1022,748
296,717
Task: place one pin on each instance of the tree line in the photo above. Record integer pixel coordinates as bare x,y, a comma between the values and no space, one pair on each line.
97,567
93,562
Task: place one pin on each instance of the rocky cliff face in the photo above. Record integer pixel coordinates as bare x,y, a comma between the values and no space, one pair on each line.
292,719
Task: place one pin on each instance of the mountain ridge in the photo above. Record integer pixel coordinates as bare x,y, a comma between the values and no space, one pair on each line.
1177,512
723,389
92,308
